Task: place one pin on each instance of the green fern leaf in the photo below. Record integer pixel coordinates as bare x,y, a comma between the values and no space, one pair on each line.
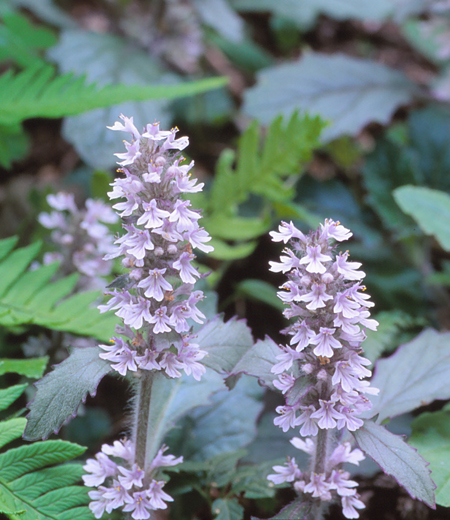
266,167
33,368
31,488
30,297
9,395
36,492
36,92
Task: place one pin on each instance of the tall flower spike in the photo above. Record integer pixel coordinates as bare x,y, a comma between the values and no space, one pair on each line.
156,302
325,347
161,231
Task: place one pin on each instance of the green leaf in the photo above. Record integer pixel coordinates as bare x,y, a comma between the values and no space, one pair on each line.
298,509
60,392
29,297
260,291
252,481
20,40
384,339
224,251
35,492
14,144
227,509
349,92
33,368
237,228
172,399
266,168
9,395
415,375
226,424
431,437
226,343
218,15
387,168
397,459
305,12
107,60
258,362
12,429
429,208
35,92
429,132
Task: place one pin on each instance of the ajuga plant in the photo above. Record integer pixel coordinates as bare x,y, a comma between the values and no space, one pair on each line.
155,300
322,371
81,238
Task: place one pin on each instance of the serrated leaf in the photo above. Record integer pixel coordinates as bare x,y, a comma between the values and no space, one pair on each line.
258,362
349,92
33,368
431,437
60,392
226,343
397,459
298,509
227,509
429,208
415,375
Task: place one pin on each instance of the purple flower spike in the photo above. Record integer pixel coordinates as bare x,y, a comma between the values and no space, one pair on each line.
324,294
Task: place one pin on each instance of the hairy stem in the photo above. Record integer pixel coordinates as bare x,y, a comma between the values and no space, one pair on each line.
321,451
142,412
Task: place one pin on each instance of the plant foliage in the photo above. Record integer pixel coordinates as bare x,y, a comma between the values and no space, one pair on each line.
31,486
37,92
263,167
29,296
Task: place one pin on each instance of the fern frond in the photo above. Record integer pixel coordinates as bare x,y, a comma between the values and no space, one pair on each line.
36,92
263,167
31,488
264,164
28,297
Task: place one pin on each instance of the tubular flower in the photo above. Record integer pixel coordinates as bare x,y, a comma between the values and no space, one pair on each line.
325,294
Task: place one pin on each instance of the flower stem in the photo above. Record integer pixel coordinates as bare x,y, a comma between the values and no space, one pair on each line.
142,413
321,451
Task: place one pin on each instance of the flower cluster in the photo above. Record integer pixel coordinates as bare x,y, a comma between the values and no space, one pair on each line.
156,297
321,371
81,237
130,488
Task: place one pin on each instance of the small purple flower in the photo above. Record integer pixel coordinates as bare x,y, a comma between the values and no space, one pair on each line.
140,506
287,473
155,284
326,414
130,478
157,496
100,468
